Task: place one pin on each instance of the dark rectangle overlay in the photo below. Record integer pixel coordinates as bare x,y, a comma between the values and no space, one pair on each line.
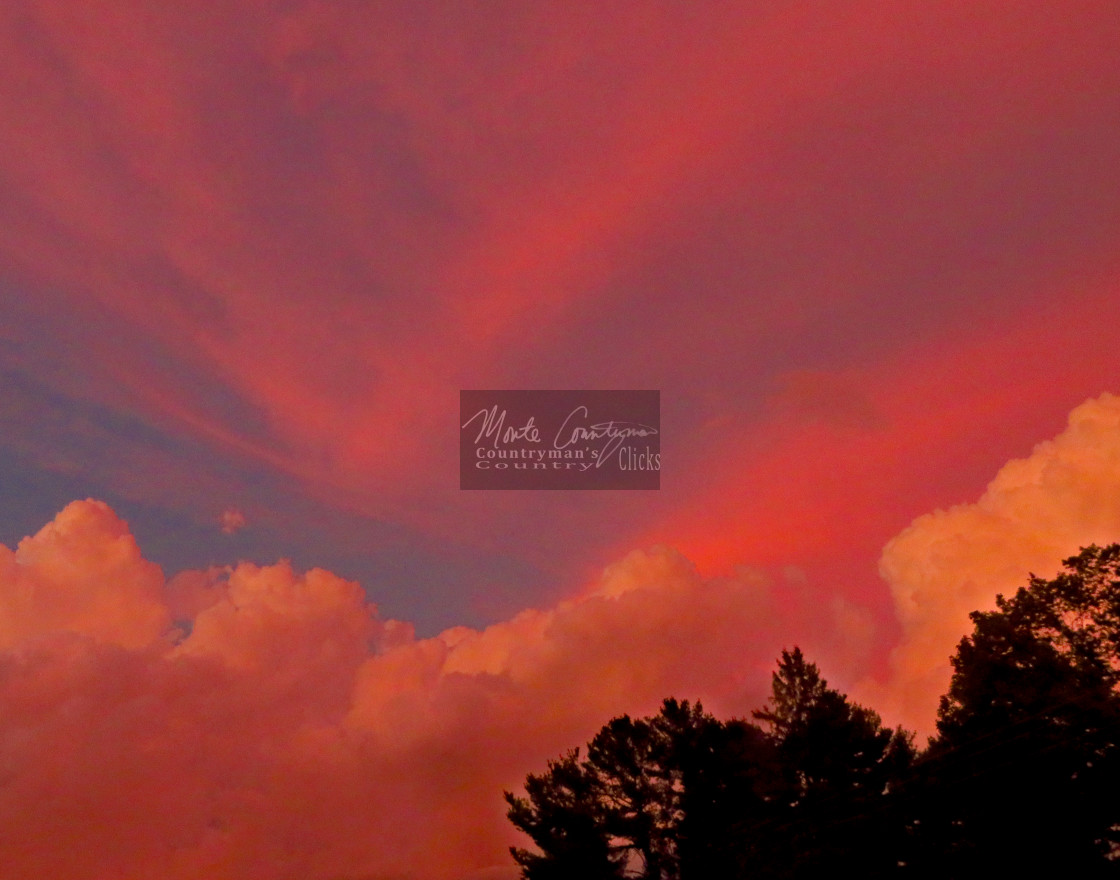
559,439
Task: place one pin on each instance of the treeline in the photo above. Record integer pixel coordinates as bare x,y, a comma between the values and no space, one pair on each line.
1023,775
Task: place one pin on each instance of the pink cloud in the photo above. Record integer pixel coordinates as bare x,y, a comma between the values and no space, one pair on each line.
258,722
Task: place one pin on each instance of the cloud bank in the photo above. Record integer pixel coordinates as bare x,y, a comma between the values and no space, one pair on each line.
259,722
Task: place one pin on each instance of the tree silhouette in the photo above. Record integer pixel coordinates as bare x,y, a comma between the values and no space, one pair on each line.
653,798
723,773
684,796
837,763
563,814
829,745
1021,778
1023,774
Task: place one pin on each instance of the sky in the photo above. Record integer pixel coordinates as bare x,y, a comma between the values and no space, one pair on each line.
250,627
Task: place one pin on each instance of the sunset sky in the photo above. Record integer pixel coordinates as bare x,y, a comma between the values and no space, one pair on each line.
251,251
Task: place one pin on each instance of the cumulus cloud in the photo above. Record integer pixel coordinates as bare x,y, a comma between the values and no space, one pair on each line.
82,573
261,722
1037,511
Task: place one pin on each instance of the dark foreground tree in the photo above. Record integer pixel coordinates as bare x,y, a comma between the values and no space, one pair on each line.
684,796
723,774
654,798
563,814
830,747
1024,773
838,766
1022,778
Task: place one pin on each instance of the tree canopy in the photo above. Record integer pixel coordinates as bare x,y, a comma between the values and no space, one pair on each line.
1021,775
1028,745
650,798
684,795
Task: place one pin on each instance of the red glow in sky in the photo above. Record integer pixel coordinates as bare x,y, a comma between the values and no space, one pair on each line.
249,255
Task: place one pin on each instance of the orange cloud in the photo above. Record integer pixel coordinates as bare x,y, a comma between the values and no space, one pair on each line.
260,722
82,573
1035,512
